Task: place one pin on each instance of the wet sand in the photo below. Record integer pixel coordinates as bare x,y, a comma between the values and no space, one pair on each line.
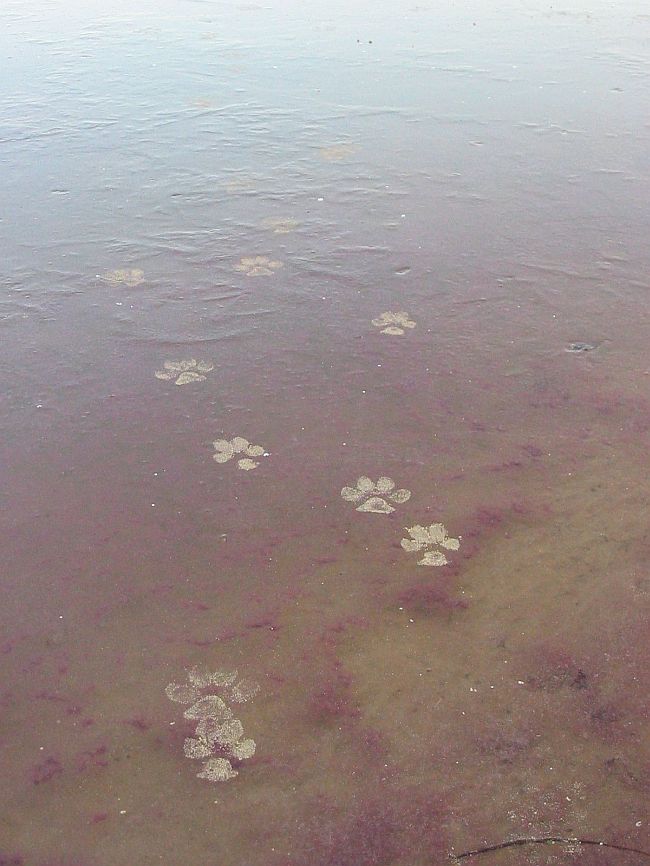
483,171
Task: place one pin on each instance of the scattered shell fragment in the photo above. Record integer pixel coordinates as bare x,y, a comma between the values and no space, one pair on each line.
393,323
217,770
280,226
183,372
209,707
429,539
244,690
182,694
124,276
371,497
243,750
257,266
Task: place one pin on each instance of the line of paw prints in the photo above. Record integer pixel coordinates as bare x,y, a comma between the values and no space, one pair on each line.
389,322
376,498
218,737
191,370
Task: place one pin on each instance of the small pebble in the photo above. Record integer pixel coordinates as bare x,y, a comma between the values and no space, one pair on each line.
580,347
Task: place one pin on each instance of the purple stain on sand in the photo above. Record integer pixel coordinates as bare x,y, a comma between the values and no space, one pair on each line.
46,770
93,759
98,818
138,723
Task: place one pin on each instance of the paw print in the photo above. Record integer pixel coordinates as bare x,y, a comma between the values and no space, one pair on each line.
218,738
336,152
429,539
241,184
257,266
124,276
225,451
183,372
393,323
280,226
373,497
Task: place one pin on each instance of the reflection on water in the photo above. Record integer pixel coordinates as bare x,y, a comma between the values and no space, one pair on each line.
479,173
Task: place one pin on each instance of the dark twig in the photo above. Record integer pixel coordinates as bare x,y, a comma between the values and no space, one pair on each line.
548,840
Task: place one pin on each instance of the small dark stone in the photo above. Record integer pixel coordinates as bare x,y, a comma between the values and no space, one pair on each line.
581,681
580,347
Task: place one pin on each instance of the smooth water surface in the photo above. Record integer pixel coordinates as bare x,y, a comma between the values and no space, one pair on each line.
247,192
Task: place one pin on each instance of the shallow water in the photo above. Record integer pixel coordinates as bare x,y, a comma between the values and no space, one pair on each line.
483,170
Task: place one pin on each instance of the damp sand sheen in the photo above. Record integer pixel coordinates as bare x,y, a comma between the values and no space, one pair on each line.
326,435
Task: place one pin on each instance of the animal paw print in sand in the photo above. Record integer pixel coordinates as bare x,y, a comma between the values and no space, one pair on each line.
280,226
393,323
336,152
183,372
373,497
257,266
218,738
225,450
124,276
430,539
240,184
